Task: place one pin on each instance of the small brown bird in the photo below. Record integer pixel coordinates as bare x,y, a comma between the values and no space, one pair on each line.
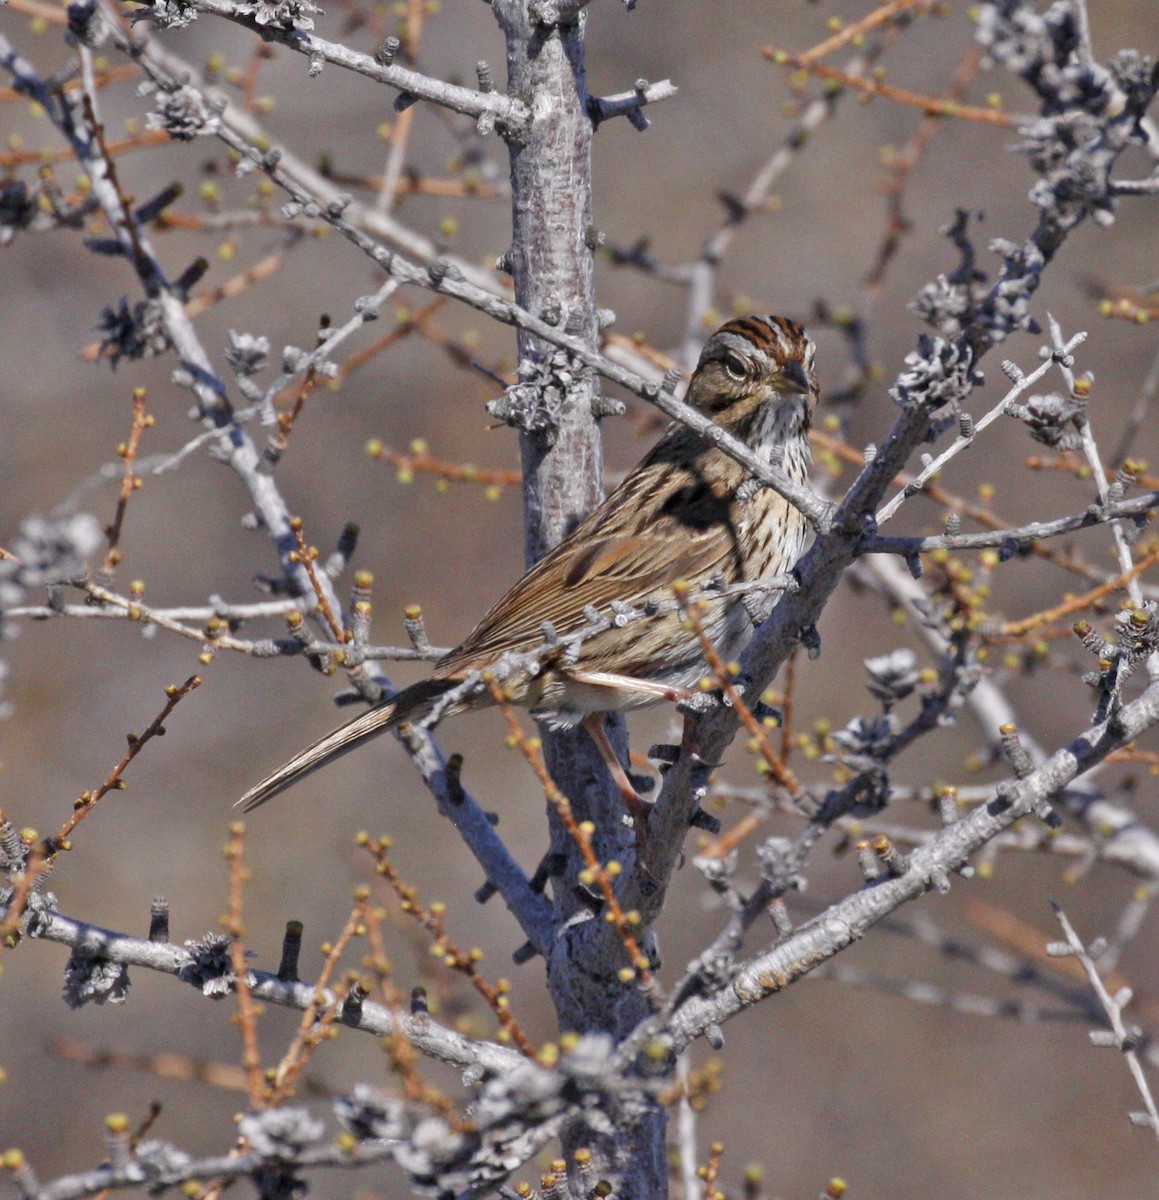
682,514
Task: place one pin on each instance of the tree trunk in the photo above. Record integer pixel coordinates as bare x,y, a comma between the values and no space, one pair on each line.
551,260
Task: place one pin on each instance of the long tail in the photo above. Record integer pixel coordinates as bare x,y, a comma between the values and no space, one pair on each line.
408,705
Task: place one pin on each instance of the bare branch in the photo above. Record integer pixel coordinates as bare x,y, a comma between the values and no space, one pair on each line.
509,114
426,1035
1122,1038
848,920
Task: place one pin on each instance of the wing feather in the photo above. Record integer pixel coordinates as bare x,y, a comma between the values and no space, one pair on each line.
683,532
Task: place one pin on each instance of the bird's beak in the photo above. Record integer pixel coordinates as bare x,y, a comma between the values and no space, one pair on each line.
793,378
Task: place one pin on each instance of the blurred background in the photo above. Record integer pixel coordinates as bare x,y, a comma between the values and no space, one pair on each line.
822,1080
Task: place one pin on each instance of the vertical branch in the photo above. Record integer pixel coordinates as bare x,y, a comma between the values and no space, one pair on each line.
130,482
247,1010
551,260
552,263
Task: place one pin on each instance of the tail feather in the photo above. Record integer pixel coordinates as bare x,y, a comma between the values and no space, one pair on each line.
408,705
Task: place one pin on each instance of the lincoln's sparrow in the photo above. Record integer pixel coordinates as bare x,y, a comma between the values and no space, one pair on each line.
684,513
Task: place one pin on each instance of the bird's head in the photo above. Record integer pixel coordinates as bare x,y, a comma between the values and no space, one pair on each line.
751,361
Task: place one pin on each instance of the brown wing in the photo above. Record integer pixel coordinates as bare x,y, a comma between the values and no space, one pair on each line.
642,538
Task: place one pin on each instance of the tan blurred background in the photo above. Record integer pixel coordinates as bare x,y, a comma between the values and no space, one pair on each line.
903,1101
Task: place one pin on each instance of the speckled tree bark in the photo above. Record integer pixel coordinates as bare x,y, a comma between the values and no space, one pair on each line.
551,260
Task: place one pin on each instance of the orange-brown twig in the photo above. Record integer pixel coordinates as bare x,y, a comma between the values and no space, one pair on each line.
36,865
41,857
49,13
460,350
1130,306
144,140
903,163
101,79
420,459
775,764
581,832
249,84
166,1065
1043,635
857,30
711,1170
1029,942
308,556
127,452
286,418
404,1059
637,345
407,325
247,1010
413,184
874,87
1079,603
1129,754
318,1019
87,800
400,133
465,963
236,284
723,675
1070,465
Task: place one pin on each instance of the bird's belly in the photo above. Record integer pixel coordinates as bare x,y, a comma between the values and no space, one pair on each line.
567,700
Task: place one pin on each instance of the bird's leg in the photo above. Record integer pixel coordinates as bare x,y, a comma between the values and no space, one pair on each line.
636,804
688,743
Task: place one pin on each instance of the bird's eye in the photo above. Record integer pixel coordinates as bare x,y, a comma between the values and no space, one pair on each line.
734,366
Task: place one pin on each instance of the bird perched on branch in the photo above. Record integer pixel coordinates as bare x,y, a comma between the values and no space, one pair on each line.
688,513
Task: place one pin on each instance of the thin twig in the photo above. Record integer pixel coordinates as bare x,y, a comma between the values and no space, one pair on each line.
870,87
430,917
602,875
251,1059
420,459
308,555
87,801
130,482
856,30
323,1013
1122,1038
723,676
1078,603
966,438
400,135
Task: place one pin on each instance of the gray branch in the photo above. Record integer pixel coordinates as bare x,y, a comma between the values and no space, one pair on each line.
1021,535
629,104
445,278
512,116
928,866
426,1035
